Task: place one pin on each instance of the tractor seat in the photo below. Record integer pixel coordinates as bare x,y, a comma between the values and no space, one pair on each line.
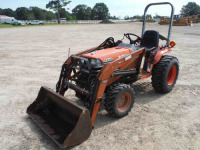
150,40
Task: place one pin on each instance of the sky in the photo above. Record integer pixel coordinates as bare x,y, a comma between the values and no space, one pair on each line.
119,8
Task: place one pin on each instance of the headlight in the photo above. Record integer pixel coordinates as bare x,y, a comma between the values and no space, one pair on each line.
96,63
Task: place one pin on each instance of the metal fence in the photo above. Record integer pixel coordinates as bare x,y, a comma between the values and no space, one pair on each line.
68,21
77,21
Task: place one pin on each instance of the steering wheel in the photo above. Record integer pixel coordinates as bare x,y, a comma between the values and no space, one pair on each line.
127,35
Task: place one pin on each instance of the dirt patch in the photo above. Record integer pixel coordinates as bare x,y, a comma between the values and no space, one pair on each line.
4,56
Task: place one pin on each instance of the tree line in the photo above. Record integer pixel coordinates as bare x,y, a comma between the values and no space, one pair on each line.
148,16
81,12
188,10
31,13
191,9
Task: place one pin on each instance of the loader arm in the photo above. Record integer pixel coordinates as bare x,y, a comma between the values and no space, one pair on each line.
66,69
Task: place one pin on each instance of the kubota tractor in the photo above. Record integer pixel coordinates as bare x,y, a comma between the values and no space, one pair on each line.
104,74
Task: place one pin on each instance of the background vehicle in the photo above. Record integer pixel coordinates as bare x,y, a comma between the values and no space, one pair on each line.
7,20
104,73
179,21
35,22
16,23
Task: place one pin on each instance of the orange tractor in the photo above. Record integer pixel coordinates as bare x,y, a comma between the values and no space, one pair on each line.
104,74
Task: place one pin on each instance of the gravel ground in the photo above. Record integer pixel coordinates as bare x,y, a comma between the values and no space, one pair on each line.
32,56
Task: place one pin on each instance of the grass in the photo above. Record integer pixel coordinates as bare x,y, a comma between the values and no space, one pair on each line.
5,25
46,24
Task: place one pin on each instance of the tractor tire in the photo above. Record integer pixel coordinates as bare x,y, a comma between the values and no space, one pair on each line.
165,73
119,100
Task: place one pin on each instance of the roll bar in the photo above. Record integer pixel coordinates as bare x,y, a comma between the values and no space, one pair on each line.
171,20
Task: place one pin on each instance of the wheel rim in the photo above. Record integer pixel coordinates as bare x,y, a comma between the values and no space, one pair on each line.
124,102
171,75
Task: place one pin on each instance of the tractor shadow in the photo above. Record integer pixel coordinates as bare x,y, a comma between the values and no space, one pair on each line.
144,93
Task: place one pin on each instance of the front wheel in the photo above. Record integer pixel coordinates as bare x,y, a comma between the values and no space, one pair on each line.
119,100
165,74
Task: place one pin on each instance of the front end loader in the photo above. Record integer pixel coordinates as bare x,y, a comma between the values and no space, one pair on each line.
104,74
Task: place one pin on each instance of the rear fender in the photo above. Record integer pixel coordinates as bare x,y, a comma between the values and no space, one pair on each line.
155,60
160,53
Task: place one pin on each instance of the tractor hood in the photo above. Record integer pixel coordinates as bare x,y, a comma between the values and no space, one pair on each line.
109,54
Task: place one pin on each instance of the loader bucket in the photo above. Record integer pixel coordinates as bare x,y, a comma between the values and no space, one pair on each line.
62,120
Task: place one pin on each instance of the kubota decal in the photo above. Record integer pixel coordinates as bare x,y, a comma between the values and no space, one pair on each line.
122,56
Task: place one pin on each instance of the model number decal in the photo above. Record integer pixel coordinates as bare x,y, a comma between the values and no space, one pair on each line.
122,56
128,57
108,60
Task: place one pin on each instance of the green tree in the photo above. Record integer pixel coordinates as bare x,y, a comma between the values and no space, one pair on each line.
1,11
63,13
126,18
100,11
82,12
49,15
31,16
113,17
22,13
148,16
137,17
8,12
57,6
190,9
37,13
70,17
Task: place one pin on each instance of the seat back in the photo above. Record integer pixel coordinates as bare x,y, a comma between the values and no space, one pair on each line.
150,39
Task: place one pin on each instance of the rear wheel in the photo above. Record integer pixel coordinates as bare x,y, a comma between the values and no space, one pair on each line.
165,74
119,100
